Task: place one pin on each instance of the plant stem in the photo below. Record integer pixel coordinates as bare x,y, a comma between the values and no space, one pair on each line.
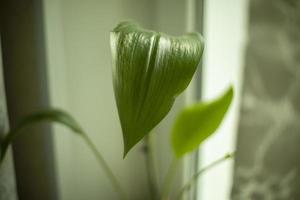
195,177
169,178
105,167
151,168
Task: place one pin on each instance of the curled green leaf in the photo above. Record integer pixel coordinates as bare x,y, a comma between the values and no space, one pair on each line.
51,115
196,123
150,69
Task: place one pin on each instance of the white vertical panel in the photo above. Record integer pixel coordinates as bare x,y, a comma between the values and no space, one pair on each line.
225,35
57,77
190,97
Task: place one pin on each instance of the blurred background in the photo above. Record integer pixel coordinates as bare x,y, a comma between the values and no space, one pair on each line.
56,53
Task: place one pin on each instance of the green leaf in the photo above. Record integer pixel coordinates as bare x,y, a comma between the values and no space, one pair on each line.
51,115
150,69
196,123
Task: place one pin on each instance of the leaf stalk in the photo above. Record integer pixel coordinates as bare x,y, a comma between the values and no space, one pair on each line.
105,167
195,177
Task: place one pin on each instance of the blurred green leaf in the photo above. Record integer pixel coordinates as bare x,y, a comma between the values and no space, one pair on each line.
150,69
196,123
51,115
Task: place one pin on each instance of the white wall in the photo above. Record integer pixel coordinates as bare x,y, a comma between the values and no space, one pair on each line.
225,27
80,76
79,67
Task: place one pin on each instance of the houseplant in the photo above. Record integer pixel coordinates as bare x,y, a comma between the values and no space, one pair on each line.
150,69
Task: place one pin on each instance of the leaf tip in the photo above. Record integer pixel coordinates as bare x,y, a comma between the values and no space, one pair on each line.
127,148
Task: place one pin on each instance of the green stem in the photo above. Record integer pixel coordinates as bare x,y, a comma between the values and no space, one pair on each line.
195,177
169,179
151,168
104,165
63,118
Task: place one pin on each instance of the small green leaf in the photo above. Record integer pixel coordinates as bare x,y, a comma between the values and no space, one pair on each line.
150,69
51,115
196,123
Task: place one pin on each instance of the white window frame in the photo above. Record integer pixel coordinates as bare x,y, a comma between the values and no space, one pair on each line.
225,28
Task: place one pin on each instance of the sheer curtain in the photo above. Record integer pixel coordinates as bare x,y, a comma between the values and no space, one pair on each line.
268,162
